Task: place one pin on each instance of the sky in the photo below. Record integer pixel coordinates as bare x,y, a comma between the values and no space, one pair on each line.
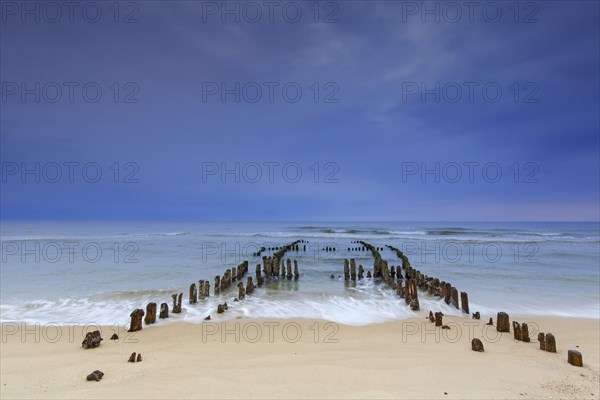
262,111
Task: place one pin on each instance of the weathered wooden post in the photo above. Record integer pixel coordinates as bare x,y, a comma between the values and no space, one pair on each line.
400,289
241,291
361,272
431,317
525,333
464,302
177,303
164,311
249,285
352,269
516,330
454,293
193,294
206,289
150,314
289,268
415,296
136,320
233,273
438,318
369,276
296,272
476,345
257,271
502,322
575,358
447,292
542,340
217,285
550,343
346,269
407,291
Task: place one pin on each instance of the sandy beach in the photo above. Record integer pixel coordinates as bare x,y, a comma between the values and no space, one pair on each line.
303,359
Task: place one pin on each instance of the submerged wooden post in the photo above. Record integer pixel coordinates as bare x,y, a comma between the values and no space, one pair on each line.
289,268
136,320
447,292
296,272
164,311
352,269
464,302
414,305
346,269
193,294
454,293
241,291
257,271
502,322
177,303
150,314
361,272
249,285
234,273
217,285
206,289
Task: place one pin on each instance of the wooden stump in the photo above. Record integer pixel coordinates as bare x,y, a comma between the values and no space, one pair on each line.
193,294
206,289
352,269
431,317
516,330
150,314
361,272
414,305
177,303
550,343
346,270
454,293
542,340
464,302
249,285
93,339
447,292
369,274
132,358
164,311
241,291
476,315
217,285
575,358
502,322
525,333
257,271
296,272
476,345
234,273
438,318
136,320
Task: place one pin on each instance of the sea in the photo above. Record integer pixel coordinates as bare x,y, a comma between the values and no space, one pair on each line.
99,272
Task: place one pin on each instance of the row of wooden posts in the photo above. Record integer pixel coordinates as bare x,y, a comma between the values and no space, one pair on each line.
221,284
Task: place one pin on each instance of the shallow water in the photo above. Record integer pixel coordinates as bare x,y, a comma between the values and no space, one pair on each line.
100,271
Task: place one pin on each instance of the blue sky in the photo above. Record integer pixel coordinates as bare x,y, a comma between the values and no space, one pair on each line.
375,120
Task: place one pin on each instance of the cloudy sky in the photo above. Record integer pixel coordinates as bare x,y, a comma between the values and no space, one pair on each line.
352,110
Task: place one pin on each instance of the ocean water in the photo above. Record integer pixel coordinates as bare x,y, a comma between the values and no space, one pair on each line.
98,272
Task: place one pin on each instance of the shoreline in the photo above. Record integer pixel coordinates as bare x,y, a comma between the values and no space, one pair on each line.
303,358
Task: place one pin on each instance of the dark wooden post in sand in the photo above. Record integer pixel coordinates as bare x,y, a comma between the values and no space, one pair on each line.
164,311
525,333
193,294
575,358
352,269
464,302
136,320
516,330
502,322
454,293
150,314
438,318
550,343
542,340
